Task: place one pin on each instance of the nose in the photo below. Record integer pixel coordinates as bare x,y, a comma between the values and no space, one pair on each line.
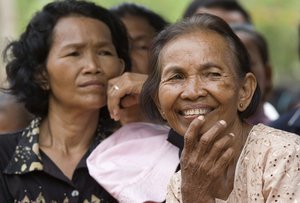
92,65
194,88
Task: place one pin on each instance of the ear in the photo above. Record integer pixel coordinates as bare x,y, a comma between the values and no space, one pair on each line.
247,91
42,80
122,66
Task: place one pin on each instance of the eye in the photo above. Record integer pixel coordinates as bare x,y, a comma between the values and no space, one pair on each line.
213,75
73,53
176,76
105,53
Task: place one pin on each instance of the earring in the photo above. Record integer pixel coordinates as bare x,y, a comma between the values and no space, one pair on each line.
163,115
241,105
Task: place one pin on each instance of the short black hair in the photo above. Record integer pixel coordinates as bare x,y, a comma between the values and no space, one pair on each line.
196,22
132,9
26,57
229,5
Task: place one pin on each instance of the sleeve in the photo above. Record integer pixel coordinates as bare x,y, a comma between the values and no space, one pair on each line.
282,174
174,189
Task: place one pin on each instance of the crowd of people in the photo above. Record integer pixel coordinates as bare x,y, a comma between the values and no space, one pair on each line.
119,105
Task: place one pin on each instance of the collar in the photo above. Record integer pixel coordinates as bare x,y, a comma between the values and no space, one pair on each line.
27,157
176,139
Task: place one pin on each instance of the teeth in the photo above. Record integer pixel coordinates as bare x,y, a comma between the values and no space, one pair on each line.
192,112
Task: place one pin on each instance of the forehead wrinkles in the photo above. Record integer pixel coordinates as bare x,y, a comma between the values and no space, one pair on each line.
211,45
82,26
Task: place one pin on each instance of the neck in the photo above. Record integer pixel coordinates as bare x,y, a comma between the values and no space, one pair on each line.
68,132
226,181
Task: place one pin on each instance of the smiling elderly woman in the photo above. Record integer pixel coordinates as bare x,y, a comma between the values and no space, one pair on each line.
60,68
202,86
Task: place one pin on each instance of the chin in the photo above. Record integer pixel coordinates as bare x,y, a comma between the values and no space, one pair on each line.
94,104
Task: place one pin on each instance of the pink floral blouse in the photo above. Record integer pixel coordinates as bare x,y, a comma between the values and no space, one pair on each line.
268,170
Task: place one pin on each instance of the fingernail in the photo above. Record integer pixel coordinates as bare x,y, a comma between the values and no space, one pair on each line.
116,115
201,117
222,122
231,134
115,112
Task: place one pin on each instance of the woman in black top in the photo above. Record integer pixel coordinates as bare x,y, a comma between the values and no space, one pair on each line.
59,68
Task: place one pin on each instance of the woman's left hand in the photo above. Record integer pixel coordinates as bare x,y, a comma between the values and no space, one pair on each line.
204,161
124,91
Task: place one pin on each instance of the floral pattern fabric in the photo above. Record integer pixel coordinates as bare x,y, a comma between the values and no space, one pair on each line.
268,170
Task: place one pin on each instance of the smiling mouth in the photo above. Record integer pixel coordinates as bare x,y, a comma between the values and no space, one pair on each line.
195,112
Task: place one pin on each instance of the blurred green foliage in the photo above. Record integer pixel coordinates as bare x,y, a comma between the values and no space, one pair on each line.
278,20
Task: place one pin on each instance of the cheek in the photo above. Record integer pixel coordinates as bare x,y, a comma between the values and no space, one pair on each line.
165,98
60,74
223,91
113,70
61,80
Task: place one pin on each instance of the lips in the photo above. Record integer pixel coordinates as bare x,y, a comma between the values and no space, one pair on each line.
92,83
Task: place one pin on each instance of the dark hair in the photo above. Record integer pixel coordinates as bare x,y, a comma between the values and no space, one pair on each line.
229,5
260,42
258,39
29,53
155,20
199,22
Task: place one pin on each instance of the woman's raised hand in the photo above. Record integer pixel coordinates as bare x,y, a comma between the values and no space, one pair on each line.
204,161
124,91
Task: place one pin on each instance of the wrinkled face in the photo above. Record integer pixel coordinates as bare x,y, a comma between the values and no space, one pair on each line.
140,35
257,65
81,60
230,17
198,78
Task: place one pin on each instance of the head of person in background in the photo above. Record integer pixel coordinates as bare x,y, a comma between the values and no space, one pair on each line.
13,114
142,25
229,10
201,84
257,48
59,68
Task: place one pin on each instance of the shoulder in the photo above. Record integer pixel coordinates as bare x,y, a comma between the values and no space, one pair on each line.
266,145
269,136
8,143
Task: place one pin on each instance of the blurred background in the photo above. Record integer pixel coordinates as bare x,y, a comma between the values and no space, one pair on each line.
278,20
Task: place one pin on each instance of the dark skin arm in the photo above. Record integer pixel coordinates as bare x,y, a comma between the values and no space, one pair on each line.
205,159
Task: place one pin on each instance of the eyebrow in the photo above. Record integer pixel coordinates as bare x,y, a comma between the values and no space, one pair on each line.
205,66
80,45
210,65
172,68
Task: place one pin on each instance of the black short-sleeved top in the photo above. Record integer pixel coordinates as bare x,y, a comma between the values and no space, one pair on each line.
29,175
